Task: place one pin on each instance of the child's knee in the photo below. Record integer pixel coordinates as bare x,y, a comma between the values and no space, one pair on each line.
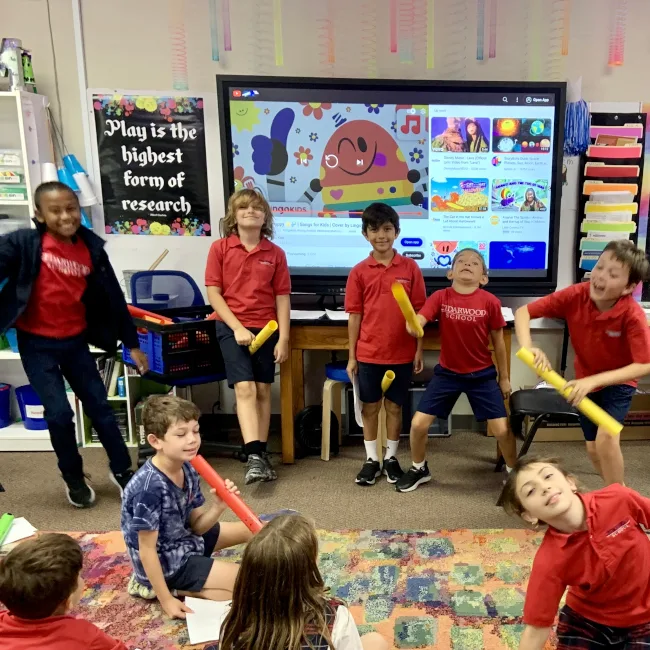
607,444
420,424
392,408
370,409
263,391
499,428
245,390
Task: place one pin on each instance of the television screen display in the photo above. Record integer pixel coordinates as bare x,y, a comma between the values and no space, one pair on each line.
464,165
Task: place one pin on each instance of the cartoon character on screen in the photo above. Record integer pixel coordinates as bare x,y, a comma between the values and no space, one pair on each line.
443,253
362,163
270,158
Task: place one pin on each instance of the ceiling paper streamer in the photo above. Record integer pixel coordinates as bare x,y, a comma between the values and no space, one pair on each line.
325,28
393,26
480,30
369,39
178,45
492,47
456,37
535,40
214,28
406,24
555,62
225,18
617,34
566,27
261,43
420,30
430,34
277,33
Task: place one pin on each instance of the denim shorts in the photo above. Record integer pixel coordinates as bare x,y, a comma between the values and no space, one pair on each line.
370,376
615,400
481,388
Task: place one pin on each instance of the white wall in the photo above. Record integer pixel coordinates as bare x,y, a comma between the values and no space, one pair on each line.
127,46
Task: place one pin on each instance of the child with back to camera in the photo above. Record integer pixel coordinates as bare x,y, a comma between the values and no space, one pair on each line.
611,339
40,583
248,285
62,294
469,316
378,340
280,600
169,529
595,546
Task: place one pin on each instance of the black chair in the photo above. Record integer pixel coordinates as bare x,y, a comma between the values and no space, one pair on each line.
545,405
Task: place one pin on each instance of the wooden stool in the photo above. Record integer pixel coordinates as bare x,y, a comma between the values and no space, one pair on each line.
337,380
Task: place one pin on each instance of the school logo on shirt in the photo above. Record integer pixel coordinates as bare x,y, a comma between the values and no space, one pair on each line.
463,313
402,280
612,333
618,529
64,266
266,263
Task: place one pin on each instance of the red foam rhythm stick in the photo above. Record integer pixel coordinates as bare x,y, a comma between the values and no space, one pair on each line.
234,502
136,312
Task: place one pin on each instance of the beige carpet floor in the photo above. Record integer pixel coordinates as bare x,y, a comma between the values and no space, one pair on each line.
462,494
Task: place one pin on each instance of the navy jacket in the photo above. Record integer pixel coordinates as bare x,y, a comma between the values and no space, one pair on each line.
107,314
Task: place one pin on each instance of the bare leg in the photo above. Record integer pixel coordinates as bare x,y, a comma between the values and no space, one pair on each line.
393,420
506,439
611,458
418,437
220,582
370,416
593,457
374,641
263,410
232,534
246,396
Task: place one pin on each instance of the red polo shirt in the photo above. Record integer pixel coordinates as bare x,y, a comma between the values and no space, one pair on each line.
383,338
53,633
602,341
606,567
249,281
466,321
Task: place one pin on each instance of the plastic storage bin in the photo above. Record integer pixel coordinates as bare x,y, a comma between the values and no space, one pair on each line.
31,409
184,350
5,405
12,339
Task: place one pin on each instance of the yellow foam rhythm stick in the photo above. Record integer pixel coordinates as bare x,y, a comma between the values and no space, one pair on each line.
261,338
389,375
586,406
399,293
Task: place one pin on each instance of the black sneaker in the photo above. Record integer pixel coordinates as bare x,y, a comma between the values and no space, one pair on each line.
121,479
413,478
80,495
392,470
256,470
369,472
271,473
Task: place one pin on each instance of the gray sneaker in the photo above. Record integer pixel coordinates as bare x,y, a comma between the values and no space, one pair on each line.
271,473
256,470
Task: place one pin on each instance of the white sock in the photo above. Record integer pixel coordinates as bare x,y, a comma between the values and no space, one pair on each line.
419,465
508,469
371,449
391,449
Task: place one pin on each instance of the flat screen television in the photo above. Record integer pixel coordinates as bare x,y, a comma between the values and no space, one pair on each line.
465,164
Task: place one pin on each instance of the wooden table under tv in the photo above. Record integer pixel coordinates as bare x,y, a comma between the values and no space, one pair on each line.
325,335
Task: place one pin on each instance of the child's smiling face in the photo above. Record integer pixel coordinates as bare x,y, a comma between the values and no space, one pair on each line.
59,210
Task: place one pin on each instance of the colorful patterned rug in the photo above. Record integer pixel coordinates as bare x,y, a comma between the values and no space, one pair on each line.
460,589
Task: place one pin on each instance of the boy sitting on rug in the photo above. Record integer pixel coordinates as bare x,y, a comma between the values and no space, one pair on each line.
40,583
169,529
594,545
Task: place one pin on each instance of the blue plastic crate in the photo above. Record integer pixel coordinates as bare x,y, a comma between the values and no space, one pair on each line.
12,339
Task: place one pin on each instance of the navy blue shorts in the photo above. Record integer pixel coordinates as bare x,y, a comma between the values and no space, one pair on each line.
240,364
370,376
481,388
193,575
615,400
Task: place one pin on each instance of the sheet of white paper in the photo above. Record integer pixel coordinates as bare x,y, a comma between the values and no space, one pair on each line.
337,315
296,314
357,401
205,623
507,314
20,529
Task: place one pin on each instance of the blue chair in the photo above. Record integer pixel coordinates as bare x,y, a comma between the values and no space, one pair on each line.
154,290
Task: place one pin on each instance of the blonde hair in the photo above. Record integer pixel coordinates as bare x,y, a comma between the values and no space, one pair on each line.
633,258
243,199
279,590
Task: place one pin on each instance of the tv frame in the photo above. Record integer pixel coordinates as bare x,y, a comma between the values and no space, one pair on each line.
335,285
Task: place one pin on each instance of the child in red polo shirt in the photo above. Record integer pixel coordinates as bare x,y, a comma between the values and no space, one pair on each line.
611,340
468,317
378,341
40,583
248,284
594,545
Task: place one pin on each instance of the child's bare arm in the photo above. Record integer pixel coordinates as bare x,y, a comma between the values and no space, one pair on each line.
534,638
206,516
522,331
580,388
502,361
354,327
242,335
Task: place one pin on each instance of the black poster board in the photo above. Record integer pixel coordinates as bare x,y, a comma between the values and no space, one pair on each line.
152,164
